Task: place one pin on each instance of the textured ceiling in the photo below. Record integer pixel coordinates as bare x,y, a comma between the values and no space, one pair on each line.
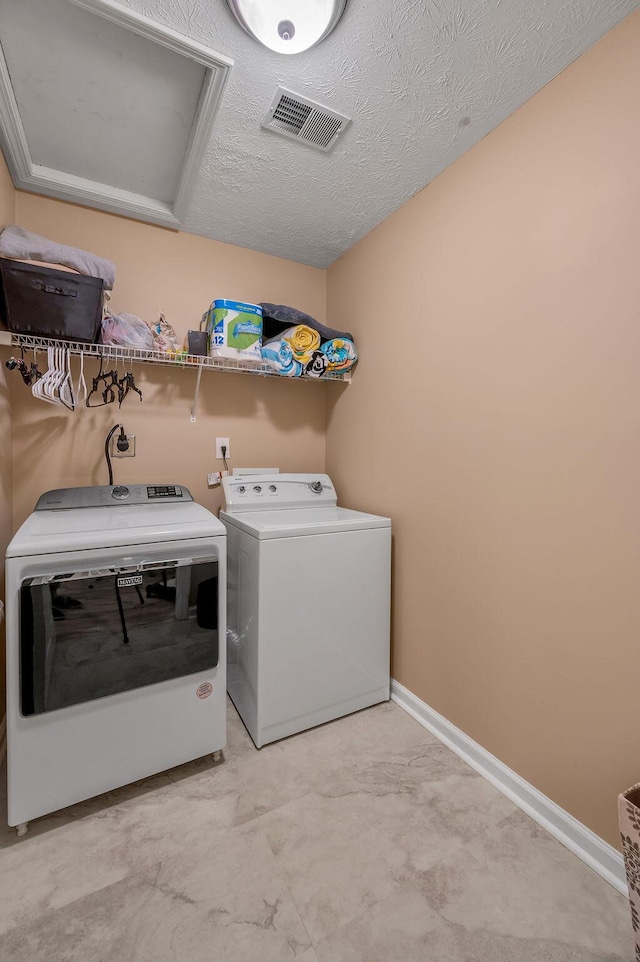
423,80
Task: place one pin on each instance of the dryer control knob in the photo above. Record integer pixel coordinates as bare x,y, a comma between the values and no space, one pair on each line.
241,489
120,492
316,487
272,487
257,488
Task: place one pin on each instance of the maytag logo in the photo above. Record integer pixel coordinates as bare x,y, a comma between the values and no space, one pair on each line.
129,582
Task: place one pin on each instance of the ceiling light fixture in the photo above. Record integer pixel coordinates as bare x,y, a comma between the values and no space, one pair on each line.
288,26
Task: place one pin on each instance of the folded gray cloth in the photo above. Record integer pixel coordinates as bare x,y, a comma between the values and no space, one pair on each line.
22,245
276,318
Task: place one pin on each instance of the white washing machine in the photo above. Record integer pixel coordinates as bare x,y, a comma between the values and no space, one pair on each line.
308,596
115,609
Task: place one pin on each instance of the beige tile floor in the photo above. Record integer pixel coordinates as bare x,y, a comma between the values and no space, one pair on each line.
364,839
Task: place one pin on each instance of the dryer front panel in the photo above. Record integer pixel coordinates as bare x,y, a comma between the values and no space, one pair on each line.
104,711
92,633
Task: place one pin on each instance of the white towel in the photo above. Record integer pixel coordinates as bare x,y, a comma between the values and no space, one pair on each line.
21,244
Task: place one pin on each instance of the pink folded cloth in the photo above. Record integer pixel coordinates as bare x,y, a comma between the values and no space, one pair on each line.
55,267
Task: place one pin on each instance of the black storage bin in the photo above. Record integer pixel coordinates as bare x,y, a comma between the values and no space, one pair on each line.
49,303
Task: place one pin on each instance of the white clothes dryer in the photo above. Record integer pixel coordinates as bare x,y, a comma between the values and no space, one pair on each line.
114,616
308,597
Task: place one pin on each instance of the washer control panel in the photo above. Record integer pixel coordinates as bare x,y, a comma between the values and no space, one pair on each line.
111,496
278,491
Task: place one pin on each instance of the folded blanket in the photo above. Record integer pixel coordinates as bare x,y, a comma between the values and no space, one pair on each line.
340,353
276,318
279,356
21,244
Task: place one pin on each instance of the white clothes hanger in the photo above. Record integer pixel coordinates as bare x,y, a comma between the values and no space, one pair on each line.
65,387
39,388
53,388
81,389
45,388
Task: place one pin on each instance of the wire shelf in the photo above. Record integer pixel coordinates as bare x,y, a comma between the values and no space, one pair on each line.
29,342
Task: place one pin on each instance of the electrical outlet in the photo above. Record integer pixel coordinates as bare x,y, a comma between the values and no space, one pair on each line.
113,446
220,443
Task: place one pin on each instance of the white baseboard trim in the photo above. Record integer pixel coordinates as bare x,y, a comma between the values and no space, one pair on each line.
594,851
3,739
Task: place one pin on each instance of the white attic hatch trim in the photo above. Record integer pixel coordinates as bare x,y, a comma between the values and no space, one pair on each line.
75,90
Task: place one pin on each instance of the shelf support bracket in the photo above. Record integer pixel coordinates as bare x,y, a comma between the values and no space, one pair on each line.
195,396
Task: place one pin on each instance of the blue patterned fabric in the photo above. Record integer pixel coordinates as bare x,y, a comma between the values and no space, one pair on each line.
340,353
279,356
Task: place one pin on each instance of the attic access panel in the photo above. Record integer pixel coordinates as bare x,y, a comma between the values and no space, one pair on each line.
102,106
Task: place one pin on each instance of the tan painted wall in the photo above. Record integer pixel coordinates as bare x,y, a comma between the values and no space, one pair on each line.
7,213
269,422
496,417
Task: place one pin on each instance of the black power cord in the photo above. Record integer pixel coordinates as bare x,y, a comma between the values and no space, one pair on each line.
122,444
223,448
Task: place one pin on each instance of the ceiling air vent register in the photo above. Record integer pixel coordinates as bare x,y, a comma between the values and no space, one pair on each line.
305,120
